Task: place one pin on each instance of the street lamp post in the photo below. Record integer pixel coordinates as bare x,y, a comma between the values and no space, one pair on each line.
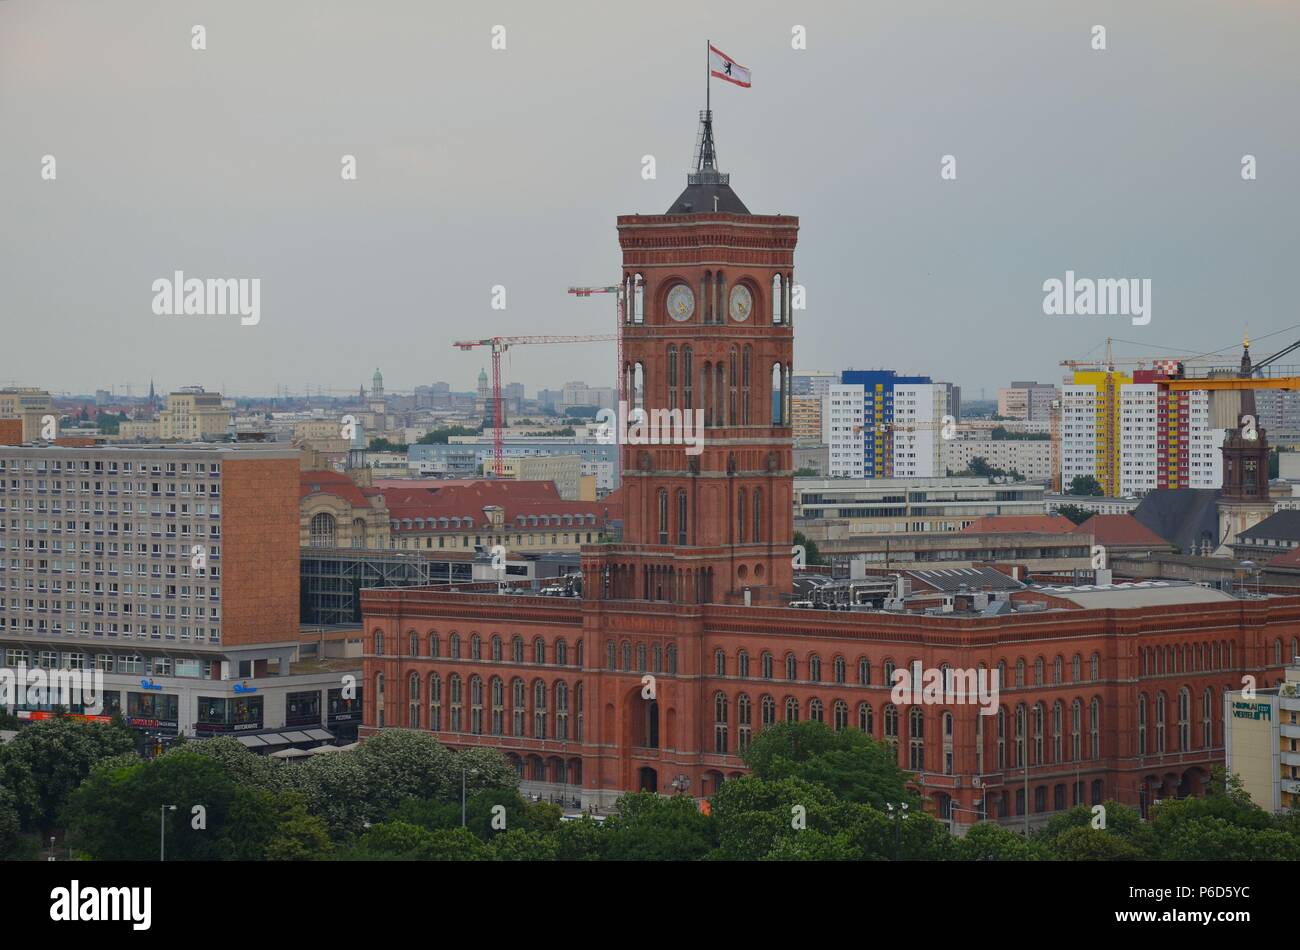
899,815
162,830
462,792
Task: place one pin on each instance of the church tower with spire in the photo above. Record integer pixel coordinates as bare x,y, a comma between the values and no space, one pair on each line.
1244,500
707,326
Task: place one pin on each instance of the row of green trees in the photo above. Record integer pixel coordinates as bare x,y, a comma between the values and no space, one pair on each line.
813,794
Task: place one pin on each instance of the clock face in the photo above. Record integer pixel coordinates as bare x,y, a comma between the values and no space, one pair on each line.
681,303
742,302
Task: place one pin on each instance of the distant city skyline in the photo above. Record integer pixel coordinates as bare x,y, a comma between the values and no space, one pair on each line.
479,168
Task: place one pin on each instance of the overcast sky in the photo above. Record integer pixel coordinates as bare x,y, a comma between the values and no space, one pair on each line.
479,167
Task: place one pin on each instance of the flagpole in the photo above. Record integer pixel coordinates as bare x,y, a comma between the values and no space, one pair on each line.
708,76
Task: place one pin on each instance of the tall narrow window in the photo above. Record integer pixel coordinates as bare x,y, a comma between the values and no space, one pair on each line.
561,710
681,517
758,514
476,705
720,723
688,378
732,418
435,702
740,516
672,376
453,687
663,516
746,360
916,739
539,710
744,722
498,689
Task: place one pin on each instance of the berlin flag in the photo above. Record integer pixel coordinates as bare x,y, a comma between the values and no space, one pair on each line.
723,66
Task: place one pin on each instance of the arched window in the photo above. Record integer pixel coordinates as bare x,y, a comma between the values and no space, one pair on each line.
1076,668
415,643
1095,670
663,516
815,668
539,651
746,360
1160,723
889,673
1022,731
791,709
672,376
891,724
839,670
435,702
1020,672
476,647
476,705
1185,718
791,667
658,654
434,648
1058,668
682,520
864,671
672,660
379,643
688,379
758,514
640,658
719,663
1076,730
413,701
767,665
610,661
740,516
1094,728
742,664
539,709
720,723
1207,718
457,703
767,706
323,531
841,715
1002,737
496,649
627,657
1038,733
561,653
1038,671
561,710
1058,724
498,690
744,722
518,709
453,645
916,739
865,719
947,742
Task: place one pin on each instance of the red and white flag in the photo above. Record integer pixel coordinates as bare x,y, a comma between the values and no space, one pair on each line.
722,66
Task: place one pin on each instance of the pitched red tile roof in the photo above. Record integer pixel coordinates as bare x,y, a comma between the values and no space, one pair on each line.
1120,530
468,501
331,483
1020,524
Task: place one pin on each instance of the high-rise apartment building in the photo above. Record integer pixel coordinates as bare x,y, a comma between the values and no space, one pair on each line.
177,562
1030,401
882,425
1133,437
806,417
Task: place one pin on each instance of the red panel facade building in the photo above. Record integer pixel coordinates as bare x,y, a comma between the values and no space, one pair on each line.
682,647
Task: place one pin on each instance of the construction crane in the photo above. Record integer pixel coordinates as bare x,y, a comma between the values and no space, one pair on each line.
498,345
618,326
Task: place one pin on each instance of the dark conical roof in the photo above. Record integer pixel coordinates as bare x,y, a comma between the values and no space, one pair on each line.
707,189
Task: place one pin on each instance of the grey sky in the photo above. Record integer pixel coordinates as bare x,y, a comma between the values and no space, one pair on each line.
478,167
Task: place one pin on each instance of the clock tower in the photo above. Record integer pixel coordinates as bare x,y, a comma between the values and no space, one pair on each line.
708,335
